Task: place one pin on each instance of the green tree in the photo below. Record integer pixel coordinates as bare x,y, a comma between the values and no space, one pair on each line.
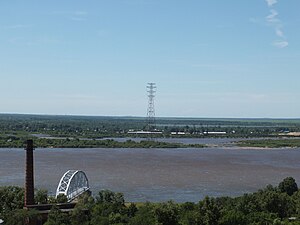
279,203
79,216
131,210
191,217
61,198
117,218
11,198
167,213
41,196
107,196
81,213
209,209
144,216
109,208
233,218
288,185
57,217
100,220
20,216
261,218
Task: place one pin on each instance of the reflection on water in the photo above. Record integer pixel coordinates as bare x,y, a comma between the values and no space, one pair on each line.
158,174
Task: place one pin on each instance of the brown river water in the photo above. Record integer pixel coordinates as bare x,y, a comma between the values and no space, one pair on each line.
158,174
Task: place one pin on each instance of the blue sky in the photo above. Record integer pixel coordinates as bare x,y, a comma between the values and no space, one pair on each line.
208,58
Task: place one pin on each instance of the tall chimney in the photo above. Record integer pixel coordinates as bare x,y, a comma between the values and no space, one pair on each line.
29,180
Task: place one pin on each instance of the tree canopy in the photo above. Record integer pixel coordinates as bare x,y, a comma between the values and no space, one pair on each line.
269,206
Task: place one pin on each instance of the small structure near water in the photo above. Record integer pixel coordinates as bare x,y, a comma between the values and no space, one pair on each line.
72,184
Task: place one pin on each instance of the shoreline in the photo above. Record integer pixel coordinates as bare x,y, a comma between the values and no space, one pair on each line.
221,147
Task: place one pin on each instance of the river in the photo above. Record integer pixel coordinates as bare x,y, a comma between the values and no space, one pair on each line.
158,174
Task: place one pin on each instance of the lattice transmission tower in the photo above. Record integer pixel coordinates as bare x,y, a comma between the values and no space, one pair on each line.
151,89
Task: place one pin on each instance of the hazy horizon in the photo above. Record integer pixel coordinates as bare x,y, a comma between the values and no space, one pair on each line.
158,117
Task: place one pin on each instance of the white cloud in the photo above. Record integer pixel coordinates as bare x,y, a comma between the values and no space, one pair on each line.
77,18
102,33
253,20
271,2
280,44
72,15
17,26
279,32
80,13
272,20
16,40
272,17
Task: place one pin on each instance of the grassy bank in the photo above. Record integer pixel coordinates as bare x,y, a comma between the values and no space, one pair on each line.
269,143
77,143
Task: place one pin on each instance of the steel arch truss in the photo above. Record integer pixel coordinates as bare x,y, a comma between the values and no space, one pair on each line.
72,184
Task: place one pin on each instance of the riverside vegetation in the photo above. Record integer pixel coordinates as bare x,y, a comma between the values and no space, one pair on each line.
18,142
271,143
269,206
85,131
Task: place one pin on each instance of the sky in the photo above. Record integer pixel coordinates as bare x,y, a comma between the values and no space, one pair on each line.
208,58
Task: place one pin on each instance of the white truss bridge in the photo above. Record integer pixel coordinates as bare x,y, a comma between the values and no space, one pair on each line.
72,184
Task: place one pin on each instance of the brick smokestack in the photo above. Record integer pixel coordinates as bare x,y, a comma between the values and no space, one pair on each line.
29,180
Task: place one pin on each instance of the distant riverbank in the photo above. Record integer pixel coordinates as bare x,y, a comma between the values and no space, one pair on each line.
86,143
42,141
271,143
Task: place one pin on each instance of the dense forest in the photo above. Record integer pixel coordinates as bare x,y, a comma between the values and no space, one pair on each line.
269,206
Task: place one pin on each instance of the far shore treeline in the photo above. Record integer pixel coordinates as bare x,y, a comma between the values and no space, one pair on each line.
107,143
98,132
278,205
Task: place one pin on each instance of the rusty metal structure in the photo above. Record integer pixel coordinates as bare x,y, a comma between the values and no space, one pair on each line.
29,177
